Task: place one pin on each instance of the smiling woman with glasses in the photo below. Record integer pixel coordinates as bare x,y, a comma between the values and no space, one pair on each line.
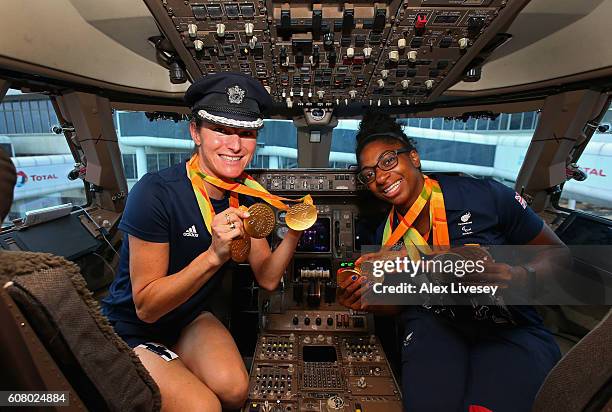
454,358
386,161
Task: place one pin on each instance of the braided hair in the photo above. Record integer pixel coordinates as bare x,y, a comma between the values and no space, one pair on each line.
377,126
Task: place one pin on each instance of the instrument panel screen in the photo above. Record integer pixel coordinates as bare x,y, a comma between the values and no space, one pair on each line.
317,238
319,354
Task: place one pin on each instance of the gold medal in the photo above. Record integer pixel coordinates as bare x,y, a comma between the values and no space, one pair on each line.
240,249
261,221
301,216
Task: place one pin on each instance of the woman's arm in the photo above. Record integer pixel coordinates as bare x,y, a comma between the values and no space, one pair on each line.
155,292
268,266
548,258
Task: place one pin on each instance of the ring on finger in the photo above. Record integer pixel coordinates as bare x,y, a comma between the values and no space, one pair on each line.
227,218
232,225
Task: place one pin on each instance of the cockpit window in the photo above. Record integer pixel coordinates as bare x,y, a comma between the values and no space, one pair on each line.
149,146
481,147
474,146
41,157
594,193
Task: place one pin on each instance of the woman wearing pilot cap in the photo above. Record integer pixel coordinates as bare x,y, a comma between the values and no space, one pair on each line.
178,232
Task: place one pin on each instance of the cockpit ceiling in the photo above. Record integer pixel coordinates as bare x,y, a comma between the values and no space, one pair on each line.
369,54
551,39
104,41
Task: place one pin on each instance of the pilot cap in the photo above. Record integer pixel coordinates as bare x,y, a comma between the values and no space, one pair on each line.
229,99
8,178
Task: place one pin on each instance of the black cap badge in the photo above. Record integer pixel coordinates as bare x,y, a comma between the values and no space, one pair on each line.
235,94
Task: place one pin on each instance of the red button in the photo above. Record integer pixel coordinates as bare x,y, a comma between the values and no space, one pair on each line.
421,21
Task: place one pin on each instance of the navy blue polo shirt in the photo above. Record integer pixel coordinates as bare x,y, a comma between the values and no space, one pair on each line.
485,212
162,208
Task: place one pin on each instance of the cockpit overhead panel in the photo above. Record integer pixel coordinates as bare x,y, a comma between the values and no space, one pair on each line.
329,53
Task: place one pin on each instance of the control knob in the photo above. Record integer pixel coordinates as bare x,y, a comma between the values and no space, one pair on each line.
361,382
381,83
367,52
328,40
384,73
405,83
429,84
350,52
401,43
220,29
198,45
248,29
352,94
464,42
412,56
394,55
335,404
192,29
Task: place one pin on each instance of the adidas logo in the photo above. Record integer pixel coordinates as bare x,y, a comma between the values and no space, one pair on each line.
191,232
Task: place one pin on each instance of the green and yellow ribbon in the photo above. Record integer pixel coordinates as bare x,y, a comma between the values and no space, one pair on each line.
413,241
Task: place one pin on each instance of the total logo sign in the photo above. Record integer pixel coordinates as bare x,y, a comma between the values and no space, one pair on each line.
593,171
23,178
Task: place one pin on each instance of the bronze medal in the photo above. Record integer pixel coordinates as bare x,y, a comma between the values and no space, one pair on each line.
301,216
240,249
343,273
260,222
474,253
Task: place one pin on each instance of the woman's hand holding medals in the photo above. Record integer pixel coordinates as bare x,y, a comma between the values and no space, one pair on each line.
259,220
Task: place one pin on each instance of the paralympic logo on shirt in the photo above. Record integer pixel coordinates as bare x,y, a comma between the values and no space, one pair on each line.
465,223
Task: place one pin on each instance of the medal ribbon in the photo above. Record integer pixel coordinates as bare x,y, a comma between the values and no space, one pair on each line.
204,203
412,238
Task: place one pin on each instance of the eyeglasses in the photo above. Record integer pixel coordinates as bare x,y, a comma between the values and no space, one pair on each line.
386,161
